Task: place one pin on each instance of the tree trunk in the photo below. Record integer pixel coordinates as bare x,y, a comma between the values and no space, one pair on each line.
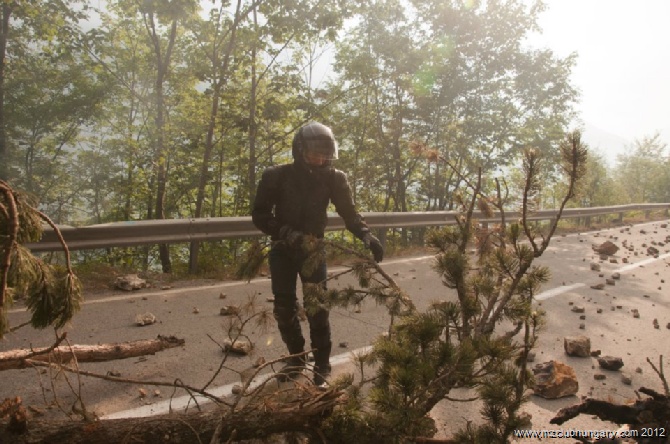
162,65
16,359
219,81
4,149
255,421
253,128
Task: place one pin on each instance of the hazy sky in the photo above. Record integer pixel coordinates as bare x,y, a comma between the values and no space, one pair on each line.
623,69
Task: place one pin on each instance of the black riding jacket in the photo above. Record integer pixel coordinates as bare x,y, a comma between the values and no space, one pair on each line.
293,195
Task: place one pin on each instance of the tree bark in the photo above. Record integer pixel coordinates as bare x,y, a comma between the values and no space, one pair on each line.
256,421
220,79
650,414
16,359
4,35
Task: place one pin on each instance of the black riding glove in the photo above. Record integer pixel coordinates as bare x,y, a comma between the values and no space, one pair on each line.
373,244
293,238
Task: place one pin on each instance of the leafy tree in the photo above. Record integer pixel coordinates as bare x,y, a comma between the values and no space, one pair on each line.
484,95
644,170
600,188
48,92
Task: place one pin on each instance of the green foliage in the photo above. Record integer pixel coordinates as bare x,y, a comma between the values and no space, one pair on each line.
251,261
52,294
645,169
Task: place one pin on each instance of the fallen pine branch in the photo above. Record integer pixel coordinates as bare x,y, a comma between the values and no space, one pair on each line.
269,416
17,359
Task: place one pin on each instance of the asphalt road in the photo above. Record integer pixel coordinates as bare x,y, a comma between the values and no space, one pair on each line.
193,313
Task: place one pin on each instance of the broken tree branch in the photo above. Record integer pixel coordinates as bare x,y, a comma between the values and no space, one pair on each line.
16,359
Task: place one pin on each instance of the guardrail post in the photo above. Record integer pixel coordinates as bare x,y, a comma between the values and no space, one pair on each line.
620,219
646,214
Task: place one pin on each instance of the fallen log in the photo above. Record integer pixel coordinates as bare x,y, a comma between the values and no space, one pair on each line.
17,359
645,416
256,421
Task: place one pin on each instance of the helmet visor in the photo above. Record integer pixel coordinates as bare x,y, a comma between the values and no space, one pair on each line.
319,152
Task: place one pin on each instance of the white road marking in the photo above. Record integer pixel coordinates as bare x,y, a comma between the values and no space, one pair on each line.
558,290
187,401
642,263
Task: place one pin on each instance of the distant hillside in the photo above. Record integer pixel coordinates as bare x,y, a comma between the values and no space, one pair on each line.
610,144
604,142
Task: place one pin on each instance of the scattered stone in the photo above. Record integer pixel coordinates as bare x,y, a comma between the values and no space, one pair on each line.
530,357
656,326
652,251
142,392
667,325
607,248
610,362
638,369
599,376
582,326
595,353
636,313
269,299
554,380
157,393
616,276
582,317
260,361
239,346
599,286
578,309
610,281
236,390
222,296
344,344
196,310
166,287
600,310
595,267
577,346
145,319
626,379
229,310
525,420
130,282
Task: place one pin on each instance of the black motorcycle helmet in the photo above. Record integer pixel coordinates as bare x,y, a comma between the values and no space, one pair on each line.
314,146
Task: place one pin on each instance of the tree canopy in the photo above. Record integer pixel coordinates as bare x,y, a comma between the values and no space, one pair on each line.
129,111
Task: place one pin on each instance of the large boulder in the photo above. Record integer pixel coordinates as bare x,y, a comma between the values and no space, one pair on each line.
554,380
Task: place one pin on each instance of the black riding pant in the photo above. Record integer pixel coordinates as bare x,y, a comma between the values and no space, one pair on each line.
285,267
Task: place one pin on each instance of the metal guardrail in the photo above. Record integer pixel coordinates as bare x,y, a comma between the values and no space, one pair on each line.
148,232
